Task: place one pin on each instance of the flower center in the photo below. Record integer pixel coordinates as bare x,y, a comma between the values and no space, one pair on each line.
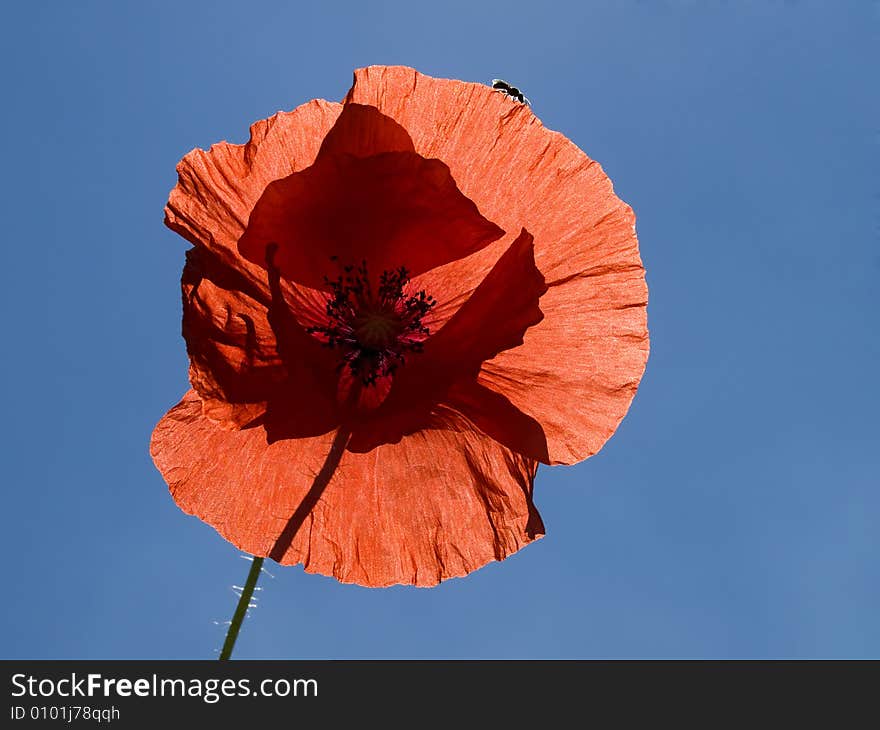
376,329
373,330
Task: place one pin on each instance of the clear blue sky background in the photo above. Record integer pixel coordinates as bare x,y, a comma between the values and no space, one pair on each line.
734,514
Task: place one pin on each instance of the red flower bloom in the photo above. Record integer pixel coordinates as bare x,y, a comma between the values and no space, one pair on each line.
422,276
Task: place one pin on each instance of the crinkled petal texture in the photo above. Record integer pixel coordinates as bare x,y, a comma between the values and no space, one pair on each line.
578,370
537,342
391,208
437,505
235,364
217,189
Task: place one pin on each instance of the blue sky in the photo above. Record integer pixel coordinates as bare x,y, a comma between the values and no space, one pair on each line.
735,511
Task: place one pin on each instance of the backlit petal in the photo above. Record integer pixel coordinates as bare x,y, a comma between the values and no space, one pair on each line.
366,198
578,370
239,364
439,504
218,188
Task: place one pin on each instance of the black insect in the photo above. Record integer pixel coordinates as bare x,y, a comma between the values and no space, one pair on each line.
511,91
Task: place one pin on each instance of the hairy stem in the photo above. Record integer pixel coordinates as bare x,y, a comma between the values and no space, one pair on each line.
241,608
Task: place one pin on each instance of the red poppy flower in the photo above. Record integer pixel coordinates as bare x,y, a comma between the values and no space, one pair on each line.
425,282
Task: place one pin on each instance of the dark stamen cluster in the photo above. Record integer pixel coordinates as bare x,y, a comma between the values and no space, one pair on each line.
373,331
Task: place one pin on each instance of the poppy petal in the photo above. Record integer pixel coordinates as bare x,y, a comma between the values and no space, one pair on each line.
307,404
390,210
363,131
248,358
438,505
234,363
578,370
497,314
518,172
498,418
218,188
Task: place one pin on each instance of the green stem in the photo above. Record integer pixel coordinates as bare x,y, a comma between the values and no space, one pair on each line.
241,608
